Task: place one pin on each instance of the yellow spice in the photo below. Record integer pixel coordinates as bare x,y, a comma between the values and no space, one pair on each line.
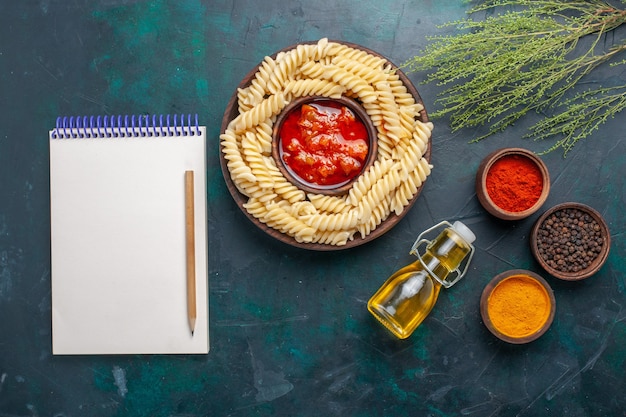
518,306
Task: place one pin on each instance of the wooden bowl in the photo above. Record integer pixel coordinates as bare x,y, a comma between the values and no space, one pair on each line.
565,266
337,189
232,111
482,189
502,309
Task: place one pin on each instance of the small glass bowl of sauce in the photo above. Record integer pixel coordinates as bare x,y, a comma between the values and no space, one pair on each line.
323,144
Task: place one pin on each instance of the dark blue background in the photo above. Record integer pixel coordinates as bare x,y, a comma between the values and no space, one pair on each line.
290,333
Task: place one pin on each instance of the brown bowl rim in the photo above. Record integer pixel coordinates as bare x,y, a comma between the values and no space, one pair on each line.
492,285
391,221
595,265
358,110
481,181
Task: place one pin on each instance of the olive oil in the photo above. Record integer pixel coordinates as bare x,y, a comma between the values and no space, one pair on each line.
408,296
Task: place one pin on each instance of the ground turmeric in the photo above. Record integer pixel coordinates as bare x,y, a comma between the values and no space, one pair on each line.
518,306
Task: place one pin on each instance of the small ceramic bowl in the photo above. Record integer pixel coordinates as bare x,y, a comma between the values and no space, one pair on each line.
517,306
571,241
488,192
292,176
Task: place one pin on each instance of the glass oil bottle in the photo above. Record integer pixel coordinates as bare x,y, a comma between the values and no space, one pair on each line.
408,296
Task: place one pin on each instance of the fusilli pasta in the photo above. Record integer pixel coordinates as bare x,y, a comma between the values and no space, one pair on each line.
327,69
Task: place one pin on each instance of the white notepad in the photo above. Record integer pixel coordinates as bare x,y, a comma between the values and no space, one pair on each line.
118,235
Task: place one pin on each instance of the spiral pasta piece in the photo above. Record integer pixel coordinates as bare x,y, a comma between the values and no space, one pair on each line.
282,220
408,187
329,204
286,190
264,136
334,221
267,108
356,85
254,159
368,179
335,238
378,215
302,209
376,195
287,64
313,70
313,87
359,69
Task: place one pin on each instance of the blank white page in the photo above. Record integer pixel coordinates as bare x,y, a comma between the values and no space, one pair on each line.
118,266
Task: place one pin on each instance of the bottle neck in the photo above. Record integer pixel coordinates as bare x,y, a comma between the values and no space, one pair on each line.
444,255
434,266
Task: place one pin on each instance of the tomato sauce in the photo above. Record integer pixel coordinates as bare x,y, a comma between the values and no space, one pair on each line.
324,143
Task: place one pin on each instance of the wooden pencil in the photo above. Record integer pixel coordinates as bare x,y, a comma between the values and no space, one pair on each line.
190,249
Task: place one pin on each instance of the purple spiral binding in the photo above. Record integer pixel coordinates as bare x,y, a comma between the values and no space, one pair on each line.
125,126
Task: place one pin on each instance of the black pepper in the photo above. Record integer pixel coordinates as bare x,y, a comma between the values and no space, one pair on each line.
569,240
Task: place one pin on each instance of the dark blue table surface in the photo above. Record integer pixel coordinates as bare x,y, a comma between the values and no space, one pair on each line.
290,333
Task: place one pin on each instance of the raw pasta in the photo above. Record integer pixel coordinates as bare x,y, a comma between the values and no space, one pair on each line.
327,69
313,87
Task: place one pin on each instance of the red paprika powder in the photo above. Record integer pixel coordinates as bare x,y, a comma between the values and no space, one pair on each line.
514,183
